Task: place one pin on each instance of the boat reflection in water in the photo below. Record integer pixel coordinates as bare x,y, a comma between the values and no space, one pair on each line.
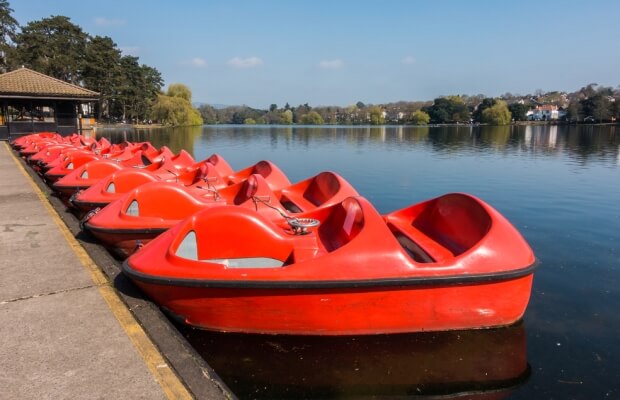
480,364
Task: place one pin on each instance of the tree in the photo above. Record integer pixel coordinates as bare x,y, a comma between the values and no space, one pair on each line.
574,111
208,114
238,115
518,111
597,106
175,108
615,108
448,109
249,121
352,114
588,90
420,118
287,117
460,112
53,46
180,90
150,82
175,111
299,112
486,103
139,87
312,118
273,107
102,71
8,24
165,110
8,31
238,118
272,117
127,94
376,115
497,114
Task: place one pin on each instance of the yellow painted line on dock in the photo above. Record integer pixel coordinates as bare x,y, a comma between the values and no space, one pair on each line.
165,376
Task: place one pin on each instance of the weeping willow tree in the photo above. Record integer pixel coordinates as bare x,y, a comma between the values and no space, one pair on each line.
497,114
175,107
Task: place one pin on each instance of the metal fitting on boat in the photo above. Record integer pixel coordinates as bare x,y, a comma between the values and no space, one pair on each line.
88,216
300,226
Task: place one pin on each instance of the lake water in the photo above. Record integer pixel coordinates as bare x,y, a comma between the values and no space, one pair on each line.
559,185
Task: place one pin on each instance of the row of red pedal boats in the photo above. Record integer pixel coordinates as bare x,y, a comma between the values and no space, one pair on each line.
249,251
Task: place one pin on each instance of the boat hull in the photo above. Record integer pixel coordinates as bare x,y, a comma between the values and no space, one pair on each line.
67,191
350,309
123,243
86,206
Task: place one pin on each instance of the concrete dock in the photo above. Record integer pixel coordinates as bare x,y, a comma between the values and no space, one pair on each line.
65,328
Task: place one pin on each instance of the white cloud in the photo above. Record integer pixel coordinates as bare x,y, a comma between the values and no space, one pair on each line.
199,62
409,60
196,62
102,21
331,64
250,62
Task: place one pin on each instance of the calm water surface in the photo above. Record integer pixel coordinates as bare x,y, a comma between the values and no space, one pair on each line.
560,186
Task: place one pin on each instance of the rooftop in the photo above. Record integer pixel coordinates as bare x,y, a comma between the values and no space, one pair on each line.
26,83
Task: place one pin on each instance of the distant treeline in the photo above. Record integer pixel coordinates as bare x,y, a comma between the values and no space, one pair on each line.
131,91
592,103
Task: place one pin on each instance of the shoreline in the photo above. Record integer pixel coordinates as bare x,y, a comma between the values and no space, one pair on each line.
516,123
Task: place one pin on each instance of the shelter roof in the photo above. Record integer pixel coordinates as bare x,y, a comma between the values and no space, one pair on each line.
26,83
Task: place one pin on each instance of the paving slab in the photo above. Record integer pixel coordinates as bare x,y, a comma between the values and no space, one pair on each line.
66,345
34,254
33,251
60,338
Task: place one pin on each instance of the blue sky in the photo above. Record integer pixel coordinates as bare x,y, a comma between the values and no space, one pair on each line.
340,52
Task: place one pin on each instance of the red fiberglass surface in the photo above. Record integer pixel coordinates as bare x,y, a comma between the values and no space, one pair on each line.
351,275
248,251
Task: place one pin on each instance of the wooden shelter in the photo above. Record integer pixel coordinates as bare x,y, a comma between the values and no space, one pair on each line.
33,102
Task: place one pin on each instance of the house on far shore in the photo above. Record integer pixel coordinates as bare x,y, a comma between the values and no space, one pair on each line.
34,102
544,112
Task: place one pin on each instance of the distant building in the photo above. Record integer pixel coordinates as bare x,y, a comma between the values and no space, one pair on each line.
544,112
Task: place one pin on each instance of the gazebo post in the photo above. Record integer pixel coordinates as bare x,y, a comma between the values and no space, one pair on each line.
55,116
79,117
31,116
